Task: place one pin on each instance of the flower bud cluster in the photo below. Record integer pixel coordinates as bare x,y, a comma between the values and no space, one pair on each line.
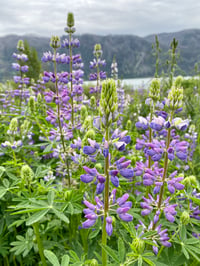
108,103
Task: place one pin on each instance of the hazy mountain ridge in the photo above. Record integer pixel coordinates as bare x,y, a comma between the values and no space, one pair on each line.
133,53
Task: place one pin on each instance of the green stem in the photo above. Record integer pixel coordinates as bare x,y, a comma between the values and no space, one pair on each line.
39,243
106,204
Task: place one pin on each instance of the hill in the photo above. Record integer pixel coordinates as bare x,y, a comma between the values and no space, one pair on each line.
133,53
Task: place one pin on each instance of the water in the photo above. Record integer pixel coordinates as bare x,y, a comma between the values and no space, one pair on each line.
135,83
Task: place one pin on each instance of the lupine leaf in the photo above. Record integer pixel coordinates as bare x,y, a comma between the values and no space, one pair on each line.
2,170
50,197
191,241
193,255
3,191
185,252
121,249
36,217
151,263
111,253
61,216
65,260
51,257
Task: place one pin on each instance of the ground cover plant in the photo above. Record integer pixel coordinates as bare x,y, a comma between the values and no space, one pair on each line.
98,175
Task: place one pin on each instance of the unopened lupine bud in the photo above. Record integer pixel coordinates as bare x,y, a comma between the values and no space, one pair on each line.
93,263
13,126
31,104
175,97
55,42
178,82
20,46
154,91
70,20
26,173
98,50
108,102
84,112
39,98
138,245
93,102
185,218
88,122
189,180
128,125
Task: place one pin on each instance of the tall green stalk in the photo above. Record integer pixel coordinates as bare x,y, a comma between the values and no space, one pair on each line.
39,243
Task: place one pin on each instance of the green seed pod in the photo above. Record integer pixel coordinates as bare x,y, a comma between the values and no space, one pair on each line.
55,42
31,104
138,245
154,91
20,46
185,218
27,173
70,20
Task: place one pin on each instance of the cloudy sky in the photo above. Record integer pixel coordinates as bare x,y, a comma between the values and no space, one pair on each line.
138,17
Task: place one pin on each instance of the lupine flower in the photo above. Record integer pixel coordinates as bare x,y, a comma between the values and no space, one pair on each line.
142,123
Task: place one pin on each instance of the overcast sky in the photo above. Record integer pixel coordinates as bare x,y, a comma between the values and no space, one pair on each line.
101,17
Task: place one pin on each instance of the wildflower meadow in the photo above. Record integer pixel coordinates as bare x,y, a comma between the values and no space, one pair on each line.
98,173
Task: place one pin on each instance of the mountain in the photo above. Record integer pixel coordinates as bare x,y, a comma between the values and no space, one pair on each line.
133,54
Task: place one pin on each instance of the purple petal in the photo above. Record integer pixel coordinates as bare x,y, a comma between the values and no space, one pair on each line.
115,181
127,173
126,217
88,223
86,178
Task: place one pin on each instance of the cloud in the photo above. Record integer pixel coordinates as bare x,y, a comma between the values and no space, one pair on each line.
138,17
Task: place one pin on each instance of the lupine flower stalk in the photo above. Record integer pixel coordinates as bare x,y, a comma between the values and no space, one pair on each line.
174,102
99,75
75,62
108,106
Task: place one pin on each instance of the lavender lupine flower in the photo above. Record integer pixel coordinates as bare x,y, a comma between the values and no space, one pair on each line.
160,236
149,203
109,227
94,211
157,123
142,123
